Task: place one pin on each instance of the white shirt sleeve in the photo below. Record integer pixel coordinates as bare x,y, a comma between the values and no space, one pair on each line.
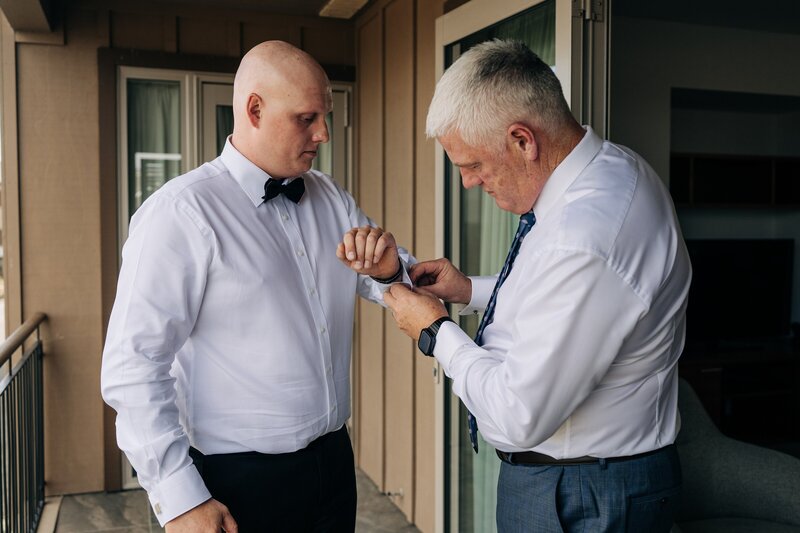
161,285
569,316
482,287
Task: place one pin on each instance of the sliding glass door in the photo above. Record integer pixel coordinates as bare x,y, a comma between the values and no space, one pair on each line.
476,234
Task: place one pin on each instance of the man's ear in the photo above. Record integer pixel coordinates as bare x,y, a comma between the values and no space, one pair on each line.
522,139
254,106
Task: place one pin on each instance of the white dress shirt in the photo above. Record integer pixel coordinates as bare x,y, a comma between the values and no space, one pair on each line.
581,358
232,326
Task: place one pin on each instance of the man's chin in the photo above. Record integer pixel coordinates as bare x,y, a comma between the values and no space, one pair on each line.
502,204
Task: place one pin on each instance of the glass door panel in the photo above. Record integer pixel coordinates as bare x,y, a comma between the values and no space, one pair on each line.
154,136
333,157
216,118
478,235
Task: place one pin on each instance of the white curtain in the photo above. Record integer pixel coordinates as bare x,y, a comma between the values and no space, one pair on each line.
496,233
154,137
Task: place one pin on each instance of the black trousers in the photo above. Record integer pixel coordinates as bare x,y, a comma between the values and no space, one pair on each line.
310,490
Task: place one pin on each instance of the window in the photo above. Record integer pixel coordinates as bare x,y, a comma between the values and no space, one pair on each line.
169,122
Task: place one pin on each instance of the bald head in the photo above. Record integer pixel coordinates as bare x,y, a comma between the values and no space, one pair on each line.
272,67
280,94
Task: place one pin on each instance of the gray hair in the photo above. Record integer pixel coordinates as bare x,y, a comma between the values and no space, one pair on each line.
491,86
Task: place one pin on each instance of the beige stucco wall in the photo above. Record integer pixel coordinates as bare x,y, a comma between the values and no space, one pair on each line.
60,260
68,245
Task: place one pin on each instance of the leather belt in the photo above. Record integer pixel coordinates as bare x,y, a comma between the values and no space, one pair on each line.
535,458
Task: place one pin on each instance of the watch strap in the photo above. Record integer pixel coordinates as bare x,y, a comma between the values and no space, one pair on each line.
427,337
397,276
434,328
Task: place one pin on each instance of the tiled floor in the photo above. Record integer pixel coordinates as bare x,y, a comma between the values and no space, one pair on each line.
129,512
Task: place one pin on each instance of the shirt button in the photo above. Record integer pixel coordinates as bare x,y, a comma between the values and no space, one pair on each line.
322,330
328,370
312,291
285,217
301,253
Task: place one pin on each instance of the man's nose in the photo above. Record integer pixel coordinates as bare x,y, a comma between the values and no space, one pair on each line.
469,179
321,134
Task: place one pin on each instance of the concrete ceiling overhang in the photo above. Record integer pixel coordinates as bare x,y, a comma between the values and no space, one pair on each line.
28,15
344,9
37,15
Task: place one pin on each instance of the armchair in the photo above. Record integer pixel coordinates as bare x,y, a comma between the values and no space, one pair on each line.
731,486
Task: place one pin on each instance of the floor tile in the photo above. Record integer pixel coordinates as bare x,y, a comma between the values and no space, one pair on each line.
129,512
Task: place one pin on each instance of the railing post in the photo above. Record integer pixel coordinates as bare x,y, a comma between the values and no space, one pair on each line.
22,431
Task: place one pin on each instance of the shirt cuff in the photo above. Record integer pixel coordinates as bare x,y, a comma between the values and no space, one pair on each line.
405,279
449,339
177,494
482,287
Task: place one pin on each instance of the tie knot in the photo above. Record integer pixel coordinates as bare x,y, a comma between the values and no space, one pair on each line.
527,218
293,190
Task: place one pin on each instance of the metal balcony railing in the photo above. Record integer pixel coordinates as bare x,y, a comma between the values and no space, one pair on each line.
21,430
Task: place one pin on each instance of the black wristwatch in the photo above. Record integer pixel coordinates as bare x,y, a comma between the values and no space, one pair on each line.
427,337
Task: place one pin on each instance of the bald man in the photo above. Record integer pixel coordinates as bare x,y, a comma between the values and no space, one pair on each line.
227,357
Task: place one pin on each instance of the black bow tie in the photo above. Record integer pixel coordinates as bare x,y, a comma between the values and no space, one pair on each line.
293,190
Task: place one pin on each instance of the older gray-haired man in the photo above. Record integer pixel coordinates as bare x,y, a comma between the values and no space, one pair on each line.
573,375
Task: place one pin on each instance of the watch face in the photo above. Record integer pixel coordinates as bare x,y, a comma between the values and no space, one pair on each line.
426,342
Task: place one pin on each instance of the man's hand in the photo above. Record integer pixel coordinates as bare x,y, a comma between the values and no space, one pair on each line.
370,251
208,517
443,280
413,310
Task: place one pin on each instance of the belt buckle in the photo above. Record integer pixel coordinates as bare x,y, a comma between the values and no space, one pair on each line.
506,457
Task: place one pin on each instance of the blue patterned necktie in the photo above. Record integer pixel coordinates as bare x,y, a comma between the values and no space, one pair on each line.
526,222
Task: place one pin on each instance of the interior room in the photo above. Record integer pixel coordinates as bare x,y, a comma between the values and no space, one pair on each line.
707,94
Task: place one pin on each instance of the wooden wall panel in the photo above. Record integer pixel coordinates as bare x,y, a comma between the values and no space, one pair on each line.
254,33
402,161
425,389
208,37
398,86
143,31
329,44
370,417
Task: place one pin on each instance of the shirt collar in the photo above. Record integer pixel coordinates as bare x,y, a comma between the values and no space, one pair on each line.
567,171
249,177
